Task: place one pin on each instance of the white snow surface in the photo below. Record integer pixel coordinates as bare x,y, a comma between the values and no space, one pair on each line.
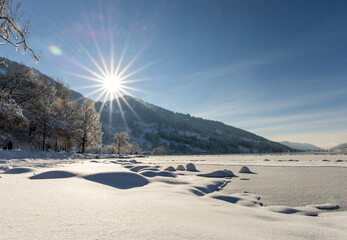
87,198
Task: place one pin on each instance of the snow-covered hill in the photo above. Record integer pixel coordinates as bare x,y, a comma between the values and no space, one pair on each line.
301,146
156,128
340,148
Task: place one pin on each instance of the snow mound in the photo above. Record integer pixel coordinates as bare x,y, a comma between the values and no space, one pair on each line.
201,190
18,170
134,161
138,168
306,211
170,168
149,169
245,169
151,173
191,167
218,174
121,180
53,174
180,168
119,161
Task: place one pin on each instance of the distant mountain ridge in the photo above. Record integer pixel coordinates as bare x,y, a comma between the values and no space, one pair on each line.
340,148
301,146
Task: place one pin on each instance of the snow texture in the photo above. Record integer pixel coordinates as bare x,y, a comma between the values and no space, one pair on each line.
103,200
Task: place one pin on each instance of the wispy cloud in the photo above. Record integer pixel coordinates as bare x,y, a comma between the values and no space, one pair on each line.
215,73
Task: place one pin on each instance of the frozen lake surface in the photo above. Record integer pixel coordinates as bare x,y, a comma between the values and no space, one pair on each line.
282,179
294,186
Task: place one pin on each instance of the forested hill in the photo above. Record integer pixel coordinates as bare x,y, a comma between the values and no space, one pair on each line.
155,128
42,112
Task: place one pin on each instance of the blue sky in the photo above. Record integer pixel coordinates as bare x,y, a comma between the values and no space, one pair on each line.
275,68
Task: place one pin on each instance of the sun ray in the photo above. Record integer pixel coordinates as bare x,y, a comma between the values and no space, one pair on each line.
128,66
85,77
101,57
103,93
112,58
103,103
85,68
133,89
130,107
135,80
91,86
94,61
134,72
94,92
121,112
120,60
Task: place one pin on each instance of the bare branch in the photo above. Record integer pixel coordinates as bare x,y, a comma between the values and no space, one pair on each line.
10,32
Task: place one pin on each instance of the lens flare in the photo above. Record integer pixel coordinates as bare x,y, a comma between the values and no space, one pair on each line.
55,50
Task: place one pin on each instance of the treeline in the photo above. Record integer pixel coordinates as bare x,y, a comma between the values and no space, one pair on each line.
172,133
37,110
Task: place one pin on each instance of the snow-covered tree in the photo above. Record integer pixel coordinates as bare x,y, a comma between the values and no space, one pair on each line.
90,126
122,141
13,30
11,114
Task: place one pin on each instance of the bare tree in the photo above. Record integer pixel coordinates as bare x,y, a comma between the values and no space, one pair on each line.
13,30
122,139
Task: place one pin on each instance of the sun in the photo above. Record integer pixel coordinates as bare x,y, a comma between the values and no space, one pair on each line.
112,79
112,84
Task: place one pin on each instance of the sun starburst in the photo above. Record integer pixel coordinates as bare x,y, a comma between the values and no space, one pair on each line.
112,81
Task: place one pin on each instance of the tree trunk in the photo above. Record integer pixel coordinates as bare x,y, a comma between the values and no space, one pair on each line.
83,142
44,138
